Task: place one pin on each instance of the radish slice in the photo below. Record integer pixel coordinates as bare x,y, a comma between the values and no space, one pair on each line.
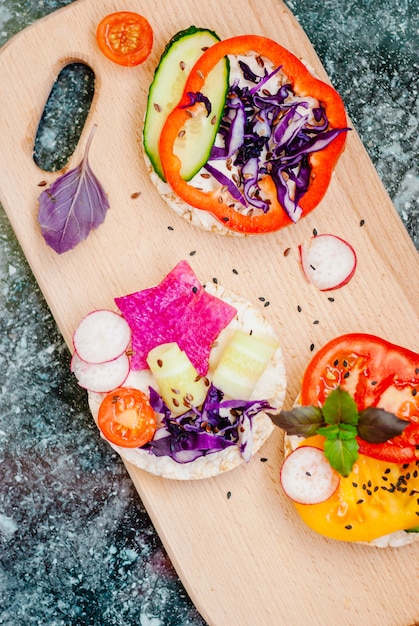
328,261
101,377
101,336
307,476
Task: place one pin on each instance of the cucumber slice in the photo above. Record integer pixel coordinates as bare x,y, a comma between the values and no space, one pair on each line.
166,90
179,384
242,364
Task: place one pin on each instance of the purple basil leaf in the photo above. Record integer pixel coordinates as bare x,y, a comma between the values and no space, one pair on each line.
378,426
72,206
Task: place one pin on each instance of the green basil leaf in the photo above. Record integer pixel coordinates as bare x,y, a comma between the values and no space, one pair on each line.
330,432
377,425
347,431
341,454
340,407
302,421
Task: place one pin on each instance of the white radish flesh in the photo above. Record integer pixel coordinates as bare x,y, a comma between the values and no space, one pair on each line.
101,336
307,476
101,377
328,261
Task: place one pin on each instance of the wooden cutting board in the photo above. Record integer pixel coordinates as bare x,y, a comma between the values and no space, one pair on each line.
245,560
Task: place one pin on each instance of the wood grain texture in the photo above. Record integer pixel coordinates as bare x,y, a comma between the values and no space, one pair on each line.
245,560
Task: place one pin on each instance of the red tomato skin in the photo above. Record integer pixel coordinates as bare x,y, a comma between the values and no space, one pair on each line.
126,38
380,367
111,418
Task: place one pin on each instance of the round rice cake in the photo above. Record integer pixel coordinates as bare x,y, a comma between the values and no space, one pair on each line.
270,387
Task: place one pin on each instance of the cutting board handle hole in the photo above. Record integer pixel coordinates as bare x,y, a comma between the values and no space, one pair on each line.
64,116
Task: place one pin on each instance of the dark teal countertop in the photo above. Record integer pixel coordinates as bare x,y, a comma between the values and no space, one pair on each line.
76,544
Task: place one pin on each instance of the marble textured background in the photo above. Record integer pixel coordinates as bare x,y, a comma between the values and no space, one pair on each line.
76,544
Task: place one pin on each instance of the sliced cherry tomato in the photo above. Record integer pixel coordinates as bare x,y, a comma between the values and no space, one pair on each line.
125,38
126,418
376,373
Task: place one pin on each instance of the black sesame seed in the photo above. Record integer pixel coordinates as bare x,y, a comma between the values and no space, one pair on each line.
362,222
234,271
261,298
387,470
384,477
299,308
228,495
314,232
355,485
308,473
331,299
263,459
311,347
316,322
267,303
359,501
346,374
414,392
192,253
336,363
215,280
195,289
348,527
170,228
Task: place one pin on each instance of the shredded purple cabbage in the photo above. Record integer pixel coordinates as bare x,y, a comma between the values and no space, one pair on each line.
216,425
268,133
198,97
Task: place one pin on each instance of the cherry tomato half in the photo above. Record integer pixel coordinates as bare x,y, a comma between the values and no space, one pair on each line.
126,418
125,38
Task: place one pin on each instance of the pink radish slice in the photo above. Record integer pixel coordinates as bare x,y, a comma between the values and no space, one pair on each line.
328,261
307,477
101,336
100,377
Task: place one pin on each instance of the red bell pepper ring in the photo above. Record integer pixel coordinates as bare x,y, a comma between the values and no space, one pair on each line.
322,163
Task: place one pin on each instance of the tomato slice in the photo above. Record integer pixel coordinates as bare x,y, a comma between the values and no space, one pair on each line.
126,418
376,373
125,38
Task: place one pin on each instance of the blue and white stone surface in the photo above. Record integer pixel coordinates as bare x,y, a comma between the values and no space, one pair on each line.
76,544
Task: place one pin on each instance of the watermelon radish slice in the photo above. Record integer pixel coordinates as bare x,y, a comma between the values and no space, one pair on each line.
307,476
176,310
101,336
100,377
328,261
